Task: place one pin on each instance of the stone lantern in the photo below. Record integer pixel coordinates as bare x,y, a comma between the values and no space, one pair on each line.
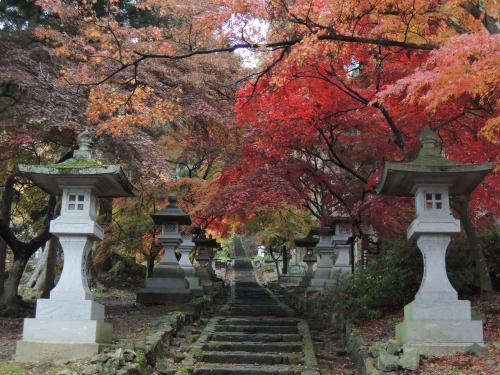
186,247
325,248
70,324
168,282
309,258
341,234
204,246
436,322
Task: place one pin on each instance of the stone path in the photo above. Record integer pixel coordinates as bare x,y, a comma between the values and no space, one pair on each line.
255,333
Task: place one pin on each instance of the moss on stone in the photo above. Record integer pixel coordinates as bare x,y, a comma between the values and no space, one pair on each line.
76,163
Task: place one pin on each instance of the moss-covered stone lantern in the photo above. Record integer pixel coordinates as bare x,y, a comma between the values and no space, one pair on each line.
341,226
186,247
308,243
436,322
204,247
70,324
167,282
325,247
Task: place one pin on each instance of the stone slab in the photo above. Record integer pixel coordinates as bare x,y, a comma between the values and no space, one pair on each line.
445,310
168,271
167,283
67,331
440,332
345,268
69,310
162,296
195,286
39,351
439,349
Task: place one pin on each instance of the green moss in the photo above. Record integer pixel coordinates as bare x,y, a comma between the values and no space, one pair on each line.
186,369
9,369
140,359
75,163
195,351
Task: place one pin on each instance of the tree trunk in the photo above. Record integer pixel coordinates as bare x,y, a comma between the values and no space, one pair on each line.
150,260
284,270
22,250
45,282
275,260
3,260
38,269
9,297
477,252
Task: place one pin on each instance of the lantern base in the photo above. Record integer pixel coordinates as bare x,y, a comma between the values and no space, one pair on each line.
162,296
53,339
39,351
347,268
440,337
193,281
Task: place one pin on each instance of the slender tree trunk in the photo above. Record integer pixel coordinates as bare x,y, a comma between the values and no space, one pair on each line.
3,260
38,269
477,252
45,282
276,261
150,265
9,297
285,261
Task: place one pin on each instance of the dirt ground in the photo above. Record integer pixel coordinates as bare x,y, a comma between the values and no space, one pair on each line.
487,363
129,320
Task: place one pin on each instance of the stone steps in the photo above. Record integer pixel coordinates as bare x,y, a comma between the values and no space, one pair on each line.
249,358
253,328
255,335
258,337
247,370
259,322
270,347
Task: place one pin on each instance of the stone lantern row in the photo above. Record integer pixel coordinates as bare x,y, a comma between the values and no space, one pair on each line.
70,324
173,280
436,322
323,245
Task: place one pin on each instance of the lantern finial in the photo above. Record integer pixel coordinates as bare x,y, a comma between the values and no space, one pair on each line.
84,140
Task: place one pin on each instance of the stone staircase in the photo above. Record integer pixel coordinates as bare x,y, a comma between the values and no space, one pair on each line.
255,333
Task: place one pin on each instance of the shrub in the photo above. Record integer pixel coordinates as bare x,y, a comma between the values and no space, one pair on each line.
393,276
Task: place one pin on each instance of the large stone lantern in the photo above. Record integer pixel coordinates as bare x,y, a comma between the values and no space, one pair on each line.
186,247
341,234
168,282
436,322
70,324
309,258
325,248
204,247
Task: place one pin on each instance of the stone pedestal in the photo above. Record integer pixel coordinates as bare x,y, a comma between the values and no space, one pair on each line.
168,281
322,276
437,322
203,269
309,259
69,325
186,247
343,262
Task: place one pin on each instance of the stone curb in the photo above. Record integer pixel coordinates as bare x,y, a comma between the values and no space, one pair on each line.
166,327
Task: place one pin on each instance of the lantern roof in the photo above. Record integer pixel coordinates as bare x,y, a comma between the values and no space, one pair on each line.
171,213
308,241
202,240
430,167
321,230
82,169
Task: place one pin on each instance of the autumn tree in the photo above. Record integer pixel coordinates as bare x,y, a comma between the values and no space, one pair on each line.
343,87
